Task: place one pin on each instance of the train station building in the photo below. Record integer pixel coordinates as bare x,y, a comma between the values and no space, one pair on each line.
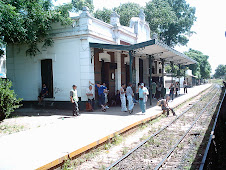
91,50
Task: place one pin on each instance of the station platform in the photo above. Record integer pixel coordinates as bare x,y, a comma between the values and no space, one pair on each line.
45,147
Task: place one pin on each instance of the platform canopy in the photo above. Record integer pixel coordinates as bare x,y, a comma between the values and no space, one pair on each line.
153,48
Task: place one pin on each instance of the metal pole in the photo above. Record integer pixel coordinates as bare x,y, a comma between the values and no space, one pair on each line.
172,70
150,78
179,75
131,66
163,67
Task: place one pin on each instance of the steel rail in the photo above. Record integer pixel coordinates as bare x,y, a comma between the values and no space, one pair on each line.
156,133
211,135
185,134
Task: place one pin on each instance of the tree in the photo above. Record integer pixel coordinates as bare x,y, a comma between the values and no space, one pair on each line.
202,69
159,15
220,71
175,69
8,99
126,12
29,22
79,4
103,15
176,33
171,20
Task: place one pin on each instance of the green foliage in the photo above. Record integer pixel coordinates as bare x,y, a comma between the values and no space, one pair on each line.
159,15
117,139
127,11
220,71
103,15
202,69
67,165
176,32
9,129
29,22
176,70
171,20
8,99
79,4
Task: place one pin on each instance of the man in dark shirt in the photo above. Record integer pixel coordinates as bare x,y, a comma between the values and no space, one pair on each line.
43,93
101,95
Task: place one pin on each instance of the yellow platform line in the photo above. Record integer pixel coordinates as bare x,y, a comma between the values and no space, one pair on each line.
106,138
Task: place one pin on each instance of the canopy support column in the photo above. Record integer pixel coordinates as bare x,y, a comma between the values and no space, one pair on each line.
172,70
163,67
150,78
179,74
131,56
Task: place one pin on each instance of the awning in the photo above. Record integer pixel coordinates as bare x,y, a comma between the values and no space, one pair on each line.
152,48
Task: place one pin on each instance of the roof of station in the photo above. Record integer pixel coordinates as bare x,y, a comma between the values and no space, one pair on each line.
152,48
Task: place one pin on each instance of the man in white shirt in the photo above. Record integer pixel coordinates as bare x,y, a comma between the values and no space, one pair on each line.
90,96
74,100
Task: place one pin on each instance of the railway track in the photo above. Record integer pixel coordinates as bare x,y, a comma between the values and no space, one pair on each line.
154,152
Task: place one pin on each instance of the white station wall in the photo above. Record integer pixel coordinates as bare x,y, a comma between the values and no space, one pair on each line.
25,71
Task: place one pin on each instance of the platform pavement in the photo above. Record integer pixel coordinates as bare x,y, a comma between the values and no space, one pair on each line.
38,147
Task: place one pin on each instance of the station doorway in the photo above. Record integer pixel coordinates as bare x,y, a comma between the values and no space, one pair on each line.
47,75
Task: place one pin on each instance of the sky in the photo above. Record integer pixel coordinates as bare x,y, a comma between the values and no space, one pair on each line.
210,27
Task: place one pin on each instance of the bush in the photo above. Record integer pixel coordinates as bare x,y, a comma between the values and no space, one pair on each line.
8,99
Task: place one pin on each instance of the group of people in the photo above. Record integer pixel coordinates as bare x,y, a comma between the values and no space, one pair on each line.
158,90
175,89
124,93
128,93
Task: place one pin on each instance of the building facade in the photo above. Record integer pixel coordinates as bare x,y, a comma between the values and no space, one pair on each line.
72,59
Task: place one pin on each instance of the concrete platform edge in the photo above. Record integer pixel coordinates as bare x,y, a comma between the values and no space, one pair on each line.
104,139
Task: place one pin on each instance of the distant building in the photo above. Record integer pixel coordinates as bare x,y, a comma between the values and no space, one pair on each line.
90,50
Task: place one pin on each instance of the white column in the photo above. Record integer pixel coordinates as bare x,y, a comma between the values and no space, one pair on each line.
118,70
86,68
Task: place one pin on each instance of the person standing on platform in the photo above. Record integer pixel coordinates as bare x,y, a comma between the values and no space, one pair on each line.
123,98
130,94
90,96
101,95
153,86
177,87
158,92
146,91
106,91
142,95
74,100
185,84
172,89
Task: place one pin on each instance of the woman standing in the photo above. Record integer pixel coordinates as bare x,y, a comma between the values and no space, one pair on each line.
130,94
123,98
